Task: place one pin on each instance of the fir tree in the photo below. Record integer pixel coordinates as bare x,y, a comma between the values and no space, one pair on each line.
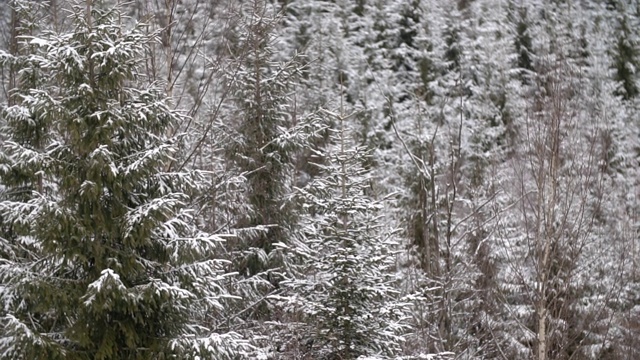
116,267
346,294
523,41
626,62
260,148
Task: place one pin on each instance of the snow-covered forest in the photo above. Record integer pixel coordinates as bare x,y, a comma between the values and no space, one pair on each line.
320,179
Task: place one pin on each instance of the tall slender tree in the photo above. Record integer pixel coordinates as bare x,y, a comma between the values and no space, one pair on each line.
626,52
347,296
262,116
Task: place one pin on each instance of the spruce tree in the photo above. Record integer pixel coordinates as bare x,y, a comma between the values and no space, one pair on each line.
523,43
261,149
346,295
112,264
625,54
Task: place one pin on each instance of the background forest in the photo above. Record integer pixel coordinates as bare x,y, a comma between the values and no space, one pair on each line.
320,179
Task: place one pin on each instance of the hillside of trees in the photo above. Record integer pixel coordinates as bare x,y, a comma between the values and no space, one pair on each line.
320,179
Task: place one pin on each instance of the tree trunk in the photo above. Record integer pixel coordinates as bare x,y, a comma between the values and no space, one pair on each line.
542,330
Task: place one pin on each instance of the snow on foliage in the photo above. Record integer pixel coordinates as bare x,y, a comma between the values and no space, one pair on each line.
111,235
484,204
